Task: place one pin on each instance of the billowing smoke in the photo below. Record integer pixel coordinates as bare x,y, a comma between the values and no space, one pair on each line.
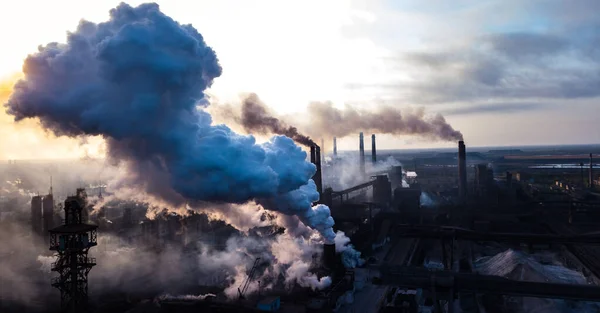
348,174
284,262
350,257
137,80
255,118
329,121
324,120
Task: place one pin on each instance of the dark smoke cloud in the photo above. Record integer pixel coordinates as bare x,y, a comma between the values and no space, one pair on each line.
324,120
137,80
256,118
329,121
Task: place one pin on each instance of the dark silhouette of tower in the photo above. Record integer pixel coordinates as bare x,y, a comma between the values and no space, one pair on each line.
373,150
334,146
462,171
48,213
361,147
72,242
36,216
315,158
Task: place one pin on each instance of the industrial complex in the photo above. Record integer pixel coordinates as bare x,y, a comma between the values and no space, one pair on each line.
174,211
481,231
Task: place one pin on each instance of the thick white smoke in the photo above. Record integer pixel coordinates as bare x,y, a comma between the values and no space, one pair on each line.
350,257
347,171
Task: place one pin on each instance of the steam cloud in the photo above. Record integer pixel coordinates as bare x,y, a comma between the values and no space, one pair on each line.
137,80
256,118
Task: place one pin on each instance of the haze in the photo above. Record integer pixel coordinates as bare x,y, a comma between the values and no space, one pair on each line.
501,72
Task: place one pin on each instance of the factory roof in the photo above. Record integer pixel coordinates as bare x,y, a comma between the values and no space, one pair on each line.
74,228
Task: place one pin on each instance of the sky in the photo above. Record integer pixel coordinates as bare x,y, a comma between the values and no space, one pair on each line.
503,72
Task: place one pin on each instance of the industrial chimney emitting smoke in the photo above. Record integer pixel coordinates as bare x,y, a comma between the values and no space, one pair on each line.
462,171
591,179
361,147
315,158
334,146
373,150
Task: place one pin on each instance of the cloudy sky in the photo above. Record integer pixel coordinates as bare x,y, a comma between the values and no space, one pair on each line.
504,72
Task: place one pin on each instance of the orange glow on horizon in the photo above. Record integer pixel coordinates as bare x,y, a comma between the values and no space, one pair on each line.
28,140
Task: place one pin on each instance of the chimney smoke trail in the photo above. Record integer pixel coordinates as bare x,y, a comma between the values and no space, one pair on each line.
327,120
255,118
323,119
138,80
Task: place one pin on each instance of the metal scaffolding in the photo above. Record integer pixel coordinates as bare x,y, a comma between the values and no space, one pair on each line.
72,242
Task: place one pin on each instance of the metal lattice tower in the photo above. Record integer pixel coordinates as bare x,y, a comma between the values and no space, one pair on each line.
71,242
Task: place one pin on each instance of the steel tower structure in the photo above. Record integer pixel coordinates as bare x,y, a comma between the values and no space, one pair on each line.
72,242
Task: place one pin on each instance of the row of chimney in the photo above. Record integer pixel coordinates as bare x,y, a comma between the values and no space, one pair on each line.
315,158
462,164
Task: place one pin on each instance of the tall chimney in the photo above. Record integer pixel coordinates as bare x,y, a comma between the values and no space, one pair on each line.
373,149
315,152
591,171
462,171
329,256
361,147
334,146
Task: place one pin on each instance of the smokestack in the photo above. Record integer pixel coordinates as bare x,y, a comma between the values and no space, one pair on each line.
373,149
334,146
319,181
591,171
315,158
329,256
462,171
361,147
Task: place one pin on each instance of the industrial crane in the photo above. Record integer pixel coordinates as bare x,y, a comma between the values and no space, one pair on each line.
246,283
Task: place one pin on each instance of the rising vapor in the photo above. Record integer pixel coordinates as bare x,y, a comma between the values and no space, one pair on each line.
136,80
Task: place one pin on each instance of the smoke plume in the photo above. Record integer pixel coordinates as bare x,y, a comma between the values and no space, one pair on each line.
333,122
324,120
137,80
255,118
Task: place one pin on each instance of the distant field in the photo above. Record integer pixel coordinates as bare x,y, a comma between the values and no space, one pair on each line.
550,157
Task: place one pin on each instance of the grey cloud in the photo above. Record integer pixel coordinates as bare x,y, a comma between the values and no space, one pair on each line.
522,44
507,52
493,108
502,66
